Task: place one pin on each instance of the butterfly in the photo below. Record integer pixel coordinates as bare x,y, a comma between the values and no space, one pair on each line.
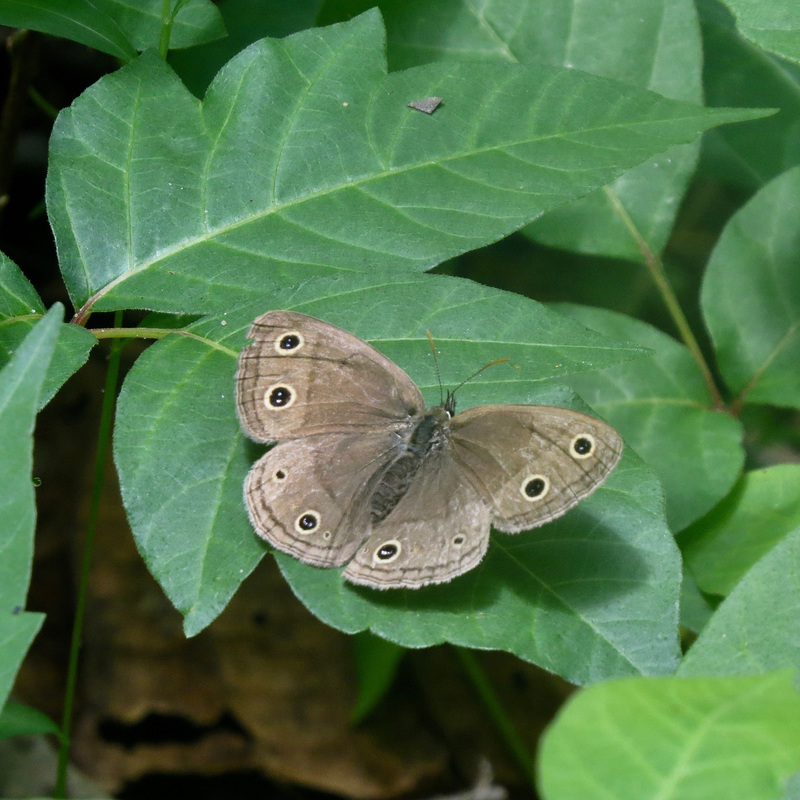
365,475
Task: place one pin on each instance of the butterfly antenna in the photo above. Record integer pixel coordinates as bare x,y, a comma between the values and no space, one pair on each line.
436,364
475,375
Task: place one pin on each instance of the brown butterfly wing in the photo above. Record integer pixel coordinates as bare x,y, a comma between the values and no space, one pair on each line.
311,497
438,530
302,376
532,463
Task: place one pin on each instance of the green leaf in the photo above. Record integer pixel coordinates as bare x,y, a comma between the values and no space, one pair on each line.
20,310
757,628
16,634
197,21
182,461
86,21
245,21
695,609
17,296
20,386
305,160
771,24
376,663
662,407
674,739
761,510
657,47
735,73
751,296
19,720
72,349
116,27
590,596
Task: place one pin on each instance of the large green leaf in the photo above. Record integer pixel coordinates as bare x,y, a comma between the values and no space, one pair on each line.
590,596
771,24
604,581
117,27
757,628
736,73
762,509
751,296
305,160
20,386
656,46
662,407
80,20
20,310
735,738
196,21
245,21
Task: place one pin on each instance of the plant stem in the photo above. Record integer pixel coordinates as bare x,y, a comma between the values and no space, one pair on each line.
167,18
497,713
156,333
103,439
656,269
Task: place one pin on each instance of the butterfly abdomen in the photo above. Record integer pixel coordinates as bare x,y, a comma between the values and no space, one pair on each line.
421,439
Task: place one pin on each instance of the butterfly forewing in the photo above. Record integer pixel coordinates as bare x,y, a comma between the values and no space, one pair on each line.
302,377
533,463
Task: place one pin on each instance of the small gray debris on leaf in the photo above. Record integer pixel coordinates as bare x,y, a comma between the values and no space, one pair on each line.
427,105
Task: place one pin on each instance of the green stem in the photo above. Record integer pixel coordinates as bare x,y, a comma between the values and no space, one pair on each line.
157,333
656,269
497,713
138,333
43,105
167,18
103,439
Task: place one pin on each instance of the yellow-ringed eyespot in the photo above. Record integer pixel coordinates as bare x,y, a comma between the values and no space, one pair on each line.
534,487
387,552
307,522
289,342
583,445
279,396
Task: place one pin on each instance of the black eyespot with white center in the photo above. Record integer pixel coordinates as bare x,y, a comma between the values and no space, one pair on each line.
278,397
307,522
534,487
289,342
387,552
583,445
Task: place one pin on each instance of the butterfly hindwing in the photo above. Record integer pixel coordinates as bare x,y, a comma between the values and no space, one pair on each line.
303,501
439,529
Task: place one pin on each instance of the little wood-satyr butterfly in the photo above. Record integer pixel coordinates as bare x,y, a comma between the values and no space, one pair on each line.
365,475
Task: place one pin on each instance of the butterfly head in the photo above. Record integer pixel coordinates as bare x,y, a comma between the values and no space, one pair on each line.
448,401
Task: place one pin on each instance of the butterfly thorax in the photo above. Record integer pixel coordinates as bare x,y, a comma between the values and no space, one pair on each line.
426,435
